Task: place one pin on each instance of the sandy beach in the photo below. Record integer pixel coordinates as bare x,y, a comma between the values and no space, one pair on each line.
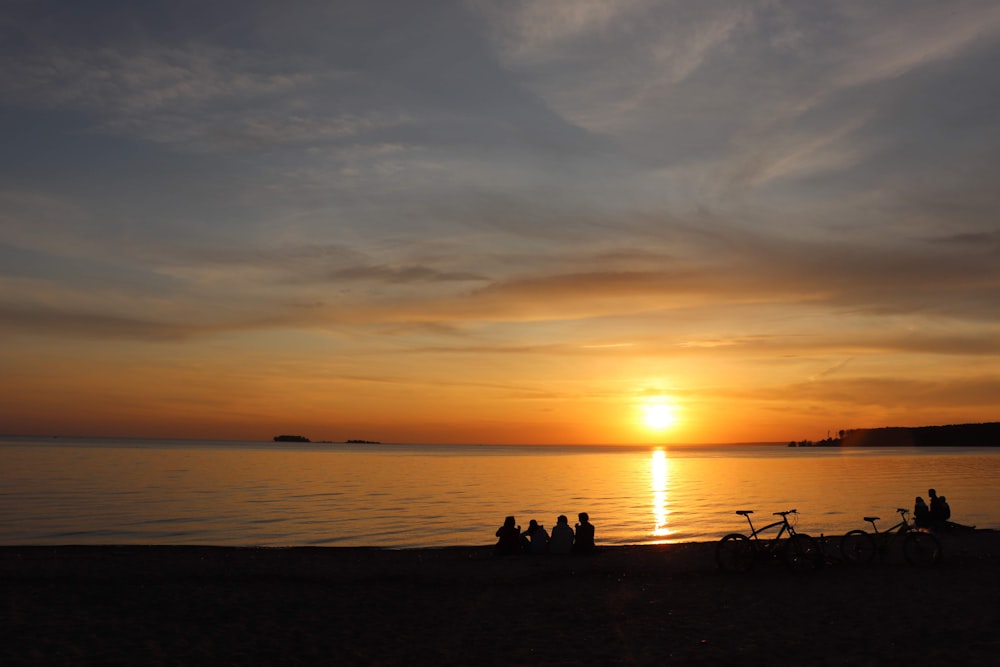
633,605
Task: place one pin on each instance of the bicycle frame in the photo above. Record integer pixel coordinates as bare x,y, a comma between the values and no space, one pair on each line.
786,527
918,547
902,526
737,552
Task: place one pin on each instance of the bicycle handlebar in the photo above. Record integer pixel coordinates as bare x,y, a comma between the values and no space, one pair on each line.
786,513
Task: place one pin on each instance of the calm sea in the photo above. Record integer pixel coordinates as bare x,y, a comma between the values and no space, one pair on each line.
101,491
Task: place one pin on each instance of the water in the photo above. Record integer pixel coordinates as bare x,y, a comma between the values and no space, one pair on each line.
91,491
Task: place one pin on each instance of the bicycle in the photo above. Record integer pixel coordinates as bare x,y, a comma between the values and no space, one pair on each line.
920,548
738,553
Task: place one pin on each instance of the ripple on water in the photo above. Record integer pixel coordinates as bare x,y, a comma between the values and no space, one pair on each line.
446,495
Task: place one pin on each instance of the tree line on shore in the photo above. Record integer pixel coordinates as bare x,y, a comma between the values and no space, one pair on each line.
951,435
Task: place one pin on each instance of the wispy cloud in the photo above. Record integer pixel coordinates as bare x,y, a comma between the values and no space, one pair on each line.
69,324
198,98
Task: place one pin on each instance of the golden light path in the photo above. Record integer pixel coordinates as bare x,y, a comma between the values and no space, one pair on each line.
660,475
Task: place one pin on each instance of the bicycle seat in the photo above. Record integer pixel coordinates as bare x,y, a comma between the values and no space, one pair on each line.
872,518
744,512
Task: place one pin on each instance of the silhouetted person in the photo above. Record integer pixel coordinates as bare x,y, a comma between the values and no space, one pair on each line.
945,509
921,514
509,538
584,543
946,522
937,511
538,538
562,536
940,512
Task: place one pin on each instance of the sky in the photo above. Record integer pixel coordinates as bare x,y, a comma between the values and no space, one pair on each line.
601,221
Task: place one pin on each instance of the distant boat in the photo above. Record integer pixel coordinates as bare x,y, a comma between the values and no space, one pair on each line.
291,438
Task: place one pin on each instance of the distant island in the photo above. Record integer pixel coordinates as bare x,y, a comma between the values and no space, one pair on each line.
302,438
952,435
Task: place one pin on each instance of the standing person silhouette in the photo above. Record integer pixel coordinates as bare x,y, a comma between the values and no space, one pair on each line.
584,543
937,509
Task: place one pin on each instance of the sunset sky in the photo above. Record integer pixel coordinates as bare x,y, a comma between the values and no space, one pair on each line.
498,222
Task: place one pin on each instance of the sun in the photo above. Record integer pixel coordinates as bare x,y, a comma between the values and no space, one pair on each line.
659,415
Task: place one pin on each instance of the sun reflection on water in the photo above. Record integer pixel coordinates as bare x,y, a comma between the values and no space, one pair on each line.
660,474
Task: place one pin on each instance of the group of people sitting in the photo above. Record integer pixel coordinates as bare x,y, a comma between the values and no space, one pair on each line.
536,540
935,517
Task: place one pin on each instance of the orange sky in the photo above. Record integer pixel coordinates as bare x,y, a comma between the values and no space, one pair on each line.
252,387
499,222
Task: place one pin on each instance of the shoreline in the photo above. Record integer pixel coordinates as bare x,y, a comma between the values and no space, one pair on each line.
458,605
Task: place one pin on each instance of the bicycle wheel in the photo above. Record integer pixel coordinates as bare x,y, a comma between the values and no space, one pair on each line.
857,547
921,549
734,553
801,553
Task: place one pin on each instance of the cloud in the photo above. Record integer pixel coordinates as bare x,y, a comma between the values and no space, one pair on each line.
598,63
154,79
199,98
969,393
402,274
312,77
529,31
37,320
722,268
37,220
740,107
923,35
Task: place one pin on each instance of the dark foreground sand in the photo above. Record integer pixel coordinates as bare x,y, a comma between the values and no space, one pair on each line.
461,606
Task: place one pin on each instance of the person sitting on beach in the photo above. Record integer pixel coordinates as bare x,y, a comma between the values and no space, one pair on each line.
562,536
538,538
584,543
946,522
943,520
509,534
921,514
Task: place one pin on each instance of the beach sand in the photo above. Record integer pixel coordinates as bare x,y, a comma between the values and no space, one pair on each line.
633,605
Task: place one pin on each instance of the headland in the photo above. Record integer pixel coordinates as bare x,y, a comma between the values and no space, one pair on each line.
952,435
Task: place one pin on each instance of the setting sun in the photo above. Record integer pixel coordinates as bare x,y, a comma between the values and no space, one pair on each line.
659,416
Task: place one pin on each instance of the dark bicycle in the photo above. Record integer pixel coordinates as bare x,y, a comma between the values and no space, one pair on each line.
920,548
738,553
